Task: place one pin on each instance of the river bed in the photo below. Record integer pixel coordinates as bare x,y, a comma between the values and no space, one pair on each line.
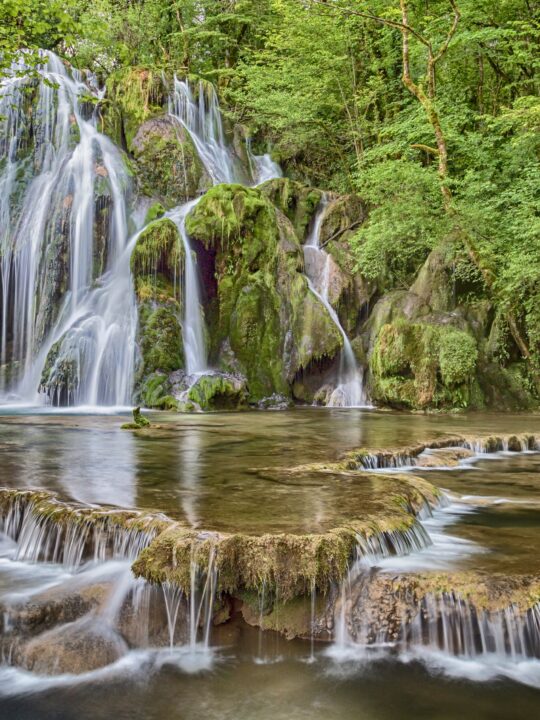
221,472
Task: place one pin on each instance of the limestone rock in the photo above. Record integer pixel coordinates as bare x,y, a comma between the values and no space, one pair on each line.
167,162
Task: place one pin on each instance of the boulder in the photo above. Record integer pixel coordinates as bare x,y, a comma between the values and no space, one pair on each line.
75,648
167,163
264,313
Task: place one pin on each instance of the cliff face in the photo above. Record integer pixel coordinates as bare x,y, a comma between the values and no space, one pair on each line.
277,322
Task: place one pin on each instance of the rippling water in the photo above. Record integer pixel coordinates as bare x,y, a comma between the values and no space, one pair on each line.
223,471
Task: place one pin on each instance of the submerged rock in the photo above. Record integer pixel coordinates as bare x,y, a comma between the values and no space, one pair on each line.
74,648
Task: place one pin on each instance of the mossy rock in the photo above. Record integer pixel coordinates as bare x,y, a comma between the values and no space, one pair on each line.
421,366
154,212
134,94
156,261
265,315
139,421
168,165
160,338
296,201
156,265
219,392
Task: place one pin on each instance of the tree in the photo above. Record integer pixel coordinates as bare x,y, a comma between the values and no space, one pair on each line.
31,25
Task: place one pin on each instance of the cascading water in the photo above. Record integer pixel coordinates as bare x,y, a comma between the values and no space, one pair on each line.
68,310
350,389
193,326
262,167
201,117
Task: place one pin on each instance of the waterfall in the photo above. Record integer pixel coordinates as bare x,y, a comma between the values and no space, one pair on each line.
262,167
68,305
350,389
201,117
193,329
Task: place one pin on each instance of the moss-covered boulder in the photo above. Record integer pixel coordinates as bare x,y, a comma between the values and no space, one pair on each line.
168,166
133,95
298,202
156,266
418,365
448,293
264,313
218,391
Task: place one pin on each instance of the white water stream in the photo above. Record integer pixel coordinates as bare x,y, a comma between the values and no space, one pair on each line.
349,391
49,252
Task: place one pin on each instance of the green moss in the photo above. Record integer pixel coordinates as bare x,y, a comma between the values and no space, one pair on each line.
419,365
218,392
134,94
166,402
156,265
139,421
160,339
156,259
168,165
265,313
154,213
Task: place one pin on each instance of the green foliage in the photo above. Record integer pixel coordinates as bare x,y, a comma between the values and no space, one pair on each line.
321,84
457,357
419,365
405,222
32,25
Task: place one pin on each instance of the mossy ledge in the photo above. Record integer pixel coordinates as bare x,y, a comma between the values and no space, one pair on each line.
426,455
286,564
95,531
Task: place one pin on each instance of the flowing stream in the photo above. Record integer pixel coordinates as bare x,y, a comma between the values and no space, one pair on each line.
349,391
158,645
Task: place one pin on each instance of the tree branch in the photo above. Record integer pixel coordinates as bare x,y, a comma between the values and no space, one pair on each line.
370,16
451,33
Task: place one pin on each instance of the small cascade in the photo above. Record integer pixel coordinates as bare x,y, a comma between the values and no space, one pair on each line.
193,328
262,167
451,624
350,389
68,315
173,597
201,599
201,117
374,548
196,608
46,535
443,626
414,456
313,601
